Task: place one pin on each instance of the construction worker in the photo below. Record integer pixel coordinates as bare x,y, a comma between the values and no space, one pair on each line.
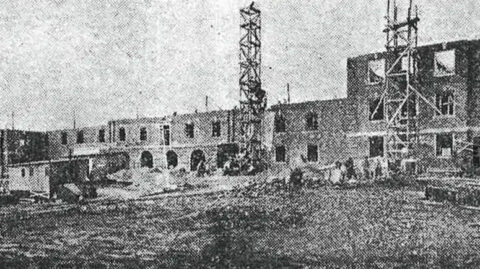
227,166
336,174
366,169
378,170
343,172
201,168
350,169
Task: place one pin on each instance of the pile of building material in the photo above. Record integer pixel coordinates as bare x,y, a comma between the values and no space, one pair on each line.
255,189
316,173
146,181
69,193
150,181
74,193
122,176
463,194
6,199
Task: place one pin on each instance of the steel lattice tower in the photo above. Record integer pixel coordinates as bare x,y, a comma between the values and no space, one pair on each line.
252,98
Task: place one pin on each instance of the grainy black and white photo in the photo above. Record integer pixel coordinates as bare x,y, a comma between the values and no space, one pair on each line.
239,134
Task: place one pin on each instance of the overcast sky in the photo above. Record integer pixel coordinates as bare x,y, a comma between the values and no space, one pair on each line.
106,58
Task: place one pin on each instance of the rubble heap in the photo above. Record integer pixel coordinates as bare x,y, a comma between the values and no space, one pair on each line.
255,189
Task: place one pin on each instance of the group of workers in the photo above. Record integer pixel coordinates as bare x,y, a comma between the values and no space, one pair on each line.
346,172
239,164
343,172
233,166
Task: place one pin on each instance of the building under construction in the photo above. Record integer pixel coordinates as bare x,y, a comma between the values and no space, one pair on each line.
416,107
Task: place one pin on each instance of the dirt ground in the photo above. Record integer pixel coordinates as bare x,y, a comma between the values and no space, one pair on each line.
367,227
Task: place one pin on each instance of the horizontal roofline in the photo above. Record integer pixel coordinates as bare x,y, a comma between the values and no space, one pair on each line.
313,102
423,46
48,161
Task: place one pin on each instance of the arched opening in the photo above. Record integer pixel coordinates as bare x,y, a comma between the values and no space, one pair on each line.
172,159
197,157
146,160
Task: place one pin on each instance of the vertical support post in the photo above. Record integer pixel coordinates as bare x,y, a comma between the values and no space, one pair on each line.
13,120
2,153
288,93
74,120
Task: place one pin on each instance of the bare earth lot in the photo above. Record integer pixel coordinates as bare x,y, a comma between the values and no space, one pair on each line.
371,227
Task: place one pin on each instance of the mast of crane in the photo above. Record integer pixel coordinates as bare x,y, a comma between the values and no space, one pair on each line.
252,98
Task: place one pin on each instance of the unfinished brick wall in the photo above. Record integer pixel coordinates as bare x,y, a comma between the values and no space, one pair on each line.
361,93
464,84
202,123
59,150
334,120
203,138
154,130
185,155
153,141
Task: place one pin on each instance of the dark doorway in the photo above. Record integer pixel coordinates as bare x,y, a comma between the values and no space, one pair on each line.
146,160
225,152
312,153
376,146
280,154
172,159
476,152
196,158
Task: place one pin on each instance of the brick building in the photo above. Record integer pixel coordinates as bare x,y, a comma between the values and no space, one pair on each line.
314,132
311,132
145,140
176,140
448,76
198,136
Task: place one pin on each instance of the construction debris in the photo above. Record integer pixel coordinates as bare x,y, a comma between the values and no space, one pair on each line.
6,199
74,193
461,195
255,189
144,180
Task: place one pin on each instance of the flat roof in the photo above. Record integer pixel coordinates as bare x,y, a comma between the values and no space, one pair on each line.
47,161
420,47
64,159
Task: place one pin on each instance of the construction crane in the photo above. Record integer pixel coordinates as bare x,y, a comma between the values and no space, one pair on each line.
253,98
400,96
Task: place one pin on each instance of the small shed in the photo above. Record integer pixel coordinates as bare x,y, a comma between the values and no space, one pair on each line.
44,177
29,177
